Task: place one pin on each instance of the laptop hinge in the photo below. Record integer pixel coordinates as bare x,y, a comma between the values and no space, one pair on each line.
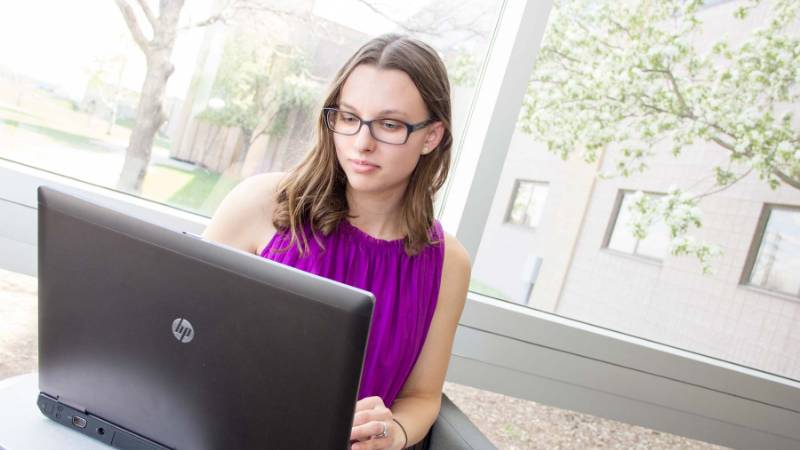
71,404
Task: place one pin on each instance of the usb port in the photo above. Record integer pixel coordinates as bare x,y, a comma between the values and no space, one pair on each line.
79,422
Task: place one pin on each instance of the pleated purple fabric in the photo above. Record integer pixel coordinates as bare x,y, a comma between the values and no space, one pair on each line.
406,289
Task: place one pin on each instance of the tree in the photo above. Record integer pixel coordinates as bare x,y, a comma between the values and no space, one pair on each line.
158,52
260,83
149,113
627,75
458,29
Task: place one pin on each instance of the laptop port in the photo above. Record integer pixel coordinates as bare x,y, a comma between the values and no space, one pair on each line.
79,422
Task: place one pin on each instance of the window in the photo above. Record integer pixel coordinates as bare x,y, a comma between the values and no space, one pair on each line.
710,3
241,98
527,203
777,261
654,245
603,116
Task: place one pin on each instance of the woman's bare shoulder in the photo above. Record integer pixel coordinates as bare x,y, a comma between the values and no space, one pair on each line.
262,190
456,258
245,215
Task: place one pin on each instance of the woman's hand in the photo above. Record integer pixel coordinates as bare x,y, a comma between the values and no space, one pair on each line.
371,420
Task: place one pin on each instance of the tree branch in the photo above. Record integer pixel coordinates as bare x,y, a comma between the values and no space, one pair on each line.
659,109
588,31
394,21
727,145
622,28
786,178
234,7
256,135
219,17
133,25
148,13
565,56
677,91
208,21
738,179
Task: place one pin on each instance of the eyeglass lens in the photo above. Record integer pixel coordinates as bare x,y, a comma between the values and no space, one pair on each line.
385,130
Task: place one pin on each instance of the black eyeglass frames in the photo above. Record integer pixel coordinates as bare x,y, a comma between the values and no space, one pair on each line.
388,131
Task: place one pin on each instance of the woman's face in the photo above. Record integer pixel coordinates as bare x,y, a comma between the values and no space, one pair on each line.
370,165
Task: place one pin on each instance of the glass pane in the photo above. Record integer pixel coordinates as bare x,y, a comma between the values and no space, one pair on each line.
777,265
521,200
18,341
656,96
622,239
240,101
656,244
536,205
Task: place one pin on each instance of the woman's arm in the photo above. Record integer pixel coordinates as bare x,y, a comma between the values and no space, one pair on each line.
244,218
418,403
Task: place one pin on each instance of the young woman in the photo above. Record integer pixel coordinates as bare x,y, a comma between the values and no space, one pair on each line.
359,209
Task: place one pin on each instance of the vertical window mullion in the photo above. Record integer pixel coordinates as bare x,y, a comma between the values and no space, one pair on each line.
468,197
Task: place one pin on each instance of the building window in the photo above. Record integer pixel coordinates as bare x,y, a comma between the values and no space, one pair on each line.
622,239
527,204
776,265
710,3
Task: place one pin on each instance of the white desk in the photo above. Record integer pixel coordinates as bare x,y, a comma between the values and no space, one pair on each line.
23,427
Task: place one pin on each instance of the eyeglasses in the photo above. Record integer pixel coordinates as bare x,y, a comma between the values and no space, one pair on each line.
388,131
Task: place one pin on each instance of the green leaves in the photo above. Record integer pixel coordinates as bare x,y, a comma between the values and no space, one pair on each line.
633,77
260,84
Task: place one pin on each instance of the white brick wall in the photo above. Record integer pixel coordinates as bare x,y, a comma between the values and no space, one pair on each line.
669,301
673,302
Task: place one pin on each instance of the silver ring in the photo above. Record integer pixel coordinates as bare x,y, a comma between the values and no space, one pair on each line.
384,433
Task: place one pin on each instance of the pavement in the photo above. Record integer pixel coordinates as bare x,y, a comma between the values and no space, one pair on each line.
510,423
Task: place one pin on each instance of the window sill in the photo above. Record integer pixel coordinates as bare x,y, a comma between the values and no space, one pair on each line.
638,258
776,294
530,354
20,182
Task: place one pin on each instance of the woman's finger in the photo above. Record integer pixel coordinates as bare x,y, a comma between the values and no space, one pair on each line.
369,415
369,403
373,444
366,431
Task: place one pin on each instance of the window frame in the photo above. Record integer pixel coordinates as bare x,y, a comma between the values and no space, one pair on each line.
755,246
504,347
517,183
714,3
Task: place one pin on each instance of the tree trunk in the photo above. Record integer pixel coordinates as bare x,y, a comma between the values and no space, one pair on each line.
149,112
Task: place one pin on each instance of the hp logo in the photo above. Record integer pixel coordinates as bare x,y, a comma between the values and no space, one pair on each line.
183,330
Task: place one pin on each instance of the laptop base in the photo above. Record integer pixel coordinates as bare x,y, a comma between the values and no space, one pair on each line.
93,426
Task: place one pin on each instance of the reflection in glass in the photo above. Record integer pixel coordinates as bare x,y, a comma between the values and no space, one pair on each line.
777,265
242,98
658,96
527,204
655,245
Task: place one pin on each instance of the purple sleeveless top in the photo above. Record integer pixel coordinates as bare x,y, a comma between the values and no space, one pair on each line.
406,289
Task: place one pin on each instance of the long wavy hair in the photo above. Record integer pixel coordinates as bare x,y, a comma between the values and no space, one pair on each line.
313,192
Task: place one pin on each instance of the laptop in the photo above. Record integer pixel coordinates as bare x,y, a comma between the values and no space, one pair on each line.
151,338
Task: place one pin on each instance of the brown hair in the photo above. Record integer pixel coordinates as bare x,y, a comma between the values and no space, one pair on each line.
313,192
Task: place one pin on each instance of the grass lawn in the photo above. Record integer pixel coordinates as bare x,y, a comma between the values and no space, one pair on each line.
6,110
483,288
128,123
47,132
198,190
78,141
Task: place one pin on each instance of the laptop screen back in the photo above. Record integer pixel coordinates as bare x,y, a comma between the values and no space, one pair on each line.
189,343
